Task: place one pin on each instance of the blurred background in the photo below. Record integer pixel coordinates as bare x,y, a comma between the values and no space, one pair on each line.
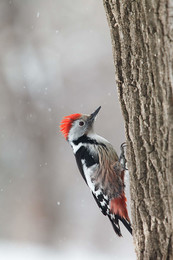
56,59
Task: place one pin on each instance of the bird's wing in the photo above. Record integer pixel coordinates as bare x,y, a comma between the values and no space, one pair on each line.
88,164
103,203
86,161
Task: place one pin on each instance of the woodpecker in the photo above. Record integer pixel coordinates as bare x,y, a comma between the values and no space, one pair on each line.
100,167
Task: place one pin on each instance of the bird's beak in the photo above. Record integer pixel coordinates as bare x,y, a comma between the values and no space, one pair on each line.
93,115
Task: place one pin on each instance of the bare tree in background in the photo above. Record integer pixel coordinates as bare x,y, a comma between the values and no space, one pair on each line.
143,57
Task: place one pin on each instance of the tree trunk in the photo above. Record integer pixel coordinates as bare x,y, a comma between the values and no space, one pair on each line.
142,46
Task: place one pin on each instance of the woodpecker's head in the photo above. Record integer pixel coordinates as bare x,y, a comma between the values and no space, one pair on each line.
77,125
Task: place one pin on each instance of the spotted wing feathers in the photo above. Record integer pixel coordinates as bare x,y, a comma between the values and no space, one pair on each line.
104,204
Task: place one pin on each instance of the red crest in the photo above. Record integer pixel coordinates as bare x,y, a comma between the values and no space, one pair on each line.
66,124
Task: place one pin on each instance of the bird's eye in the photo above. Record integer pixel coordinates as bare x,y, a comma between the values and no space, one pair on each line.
81,123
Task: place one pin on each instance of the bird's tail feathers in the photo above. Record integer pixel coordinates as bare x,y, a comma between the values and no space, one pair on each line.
115,225
118,208
127,224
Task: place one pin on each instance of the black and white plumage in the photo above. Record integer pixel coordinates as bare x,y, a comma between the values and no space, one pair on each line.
99,165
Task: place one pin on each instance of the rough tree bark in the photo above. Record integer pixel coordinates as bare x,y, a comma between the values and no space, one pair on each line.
142,51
